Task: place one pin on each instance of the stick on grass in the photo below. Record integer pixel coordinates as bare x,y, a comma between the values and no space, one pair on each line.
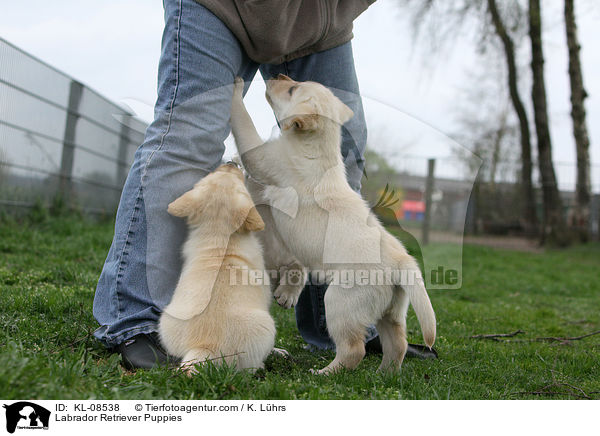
495,336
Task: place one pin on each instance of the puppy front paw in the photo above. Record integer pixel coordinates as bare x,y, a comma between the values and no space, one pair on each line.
287,295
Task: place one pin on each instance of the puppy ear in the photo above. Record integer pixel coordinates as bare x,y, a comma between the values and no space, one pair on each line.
184,206
305,122
344,113
254,221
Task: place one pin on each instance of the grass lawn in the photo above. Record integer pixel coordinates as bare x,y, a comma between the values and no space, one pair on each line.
48,273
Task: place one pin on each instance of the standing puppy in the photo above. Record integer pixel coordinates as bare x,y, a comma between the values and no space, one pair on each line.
333,231
216,313
287,275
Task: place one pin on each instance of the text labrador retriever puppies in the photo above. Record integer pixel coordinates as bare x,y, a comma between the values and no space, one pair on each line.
214,313
332,233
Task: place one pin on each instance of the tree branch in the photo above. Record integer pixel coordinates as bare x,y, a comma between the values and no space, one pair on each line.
495,336
563,340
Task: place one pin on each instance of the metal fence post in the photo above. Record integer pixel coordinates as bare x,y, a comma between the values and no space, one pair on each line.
68,149
428,201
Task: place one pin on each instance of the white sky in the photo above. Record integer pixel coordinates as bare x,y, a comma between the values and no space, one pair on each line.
113,46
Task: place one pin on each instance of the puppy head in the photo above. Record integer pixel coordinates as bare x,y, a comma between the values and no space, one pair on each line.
220,199
301,106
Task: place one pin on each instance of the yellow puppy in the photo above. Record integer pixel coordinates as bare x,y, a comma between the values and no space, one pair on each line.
214,314
331,230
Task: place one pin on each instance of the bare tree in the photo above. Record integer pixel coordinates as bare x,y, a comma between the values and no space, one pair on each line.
528,200
487,127
554,228
450,17
582,142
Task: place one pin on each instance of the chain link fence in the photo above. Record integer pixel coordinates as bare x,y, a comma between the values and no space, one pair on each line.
59,138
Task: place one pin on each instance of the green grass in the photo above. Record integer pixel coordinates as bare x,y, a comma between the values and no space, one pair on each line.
48,273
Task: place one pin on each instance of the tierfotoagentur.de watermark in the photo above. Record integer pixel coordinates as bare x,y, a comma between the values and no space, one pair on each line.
345,277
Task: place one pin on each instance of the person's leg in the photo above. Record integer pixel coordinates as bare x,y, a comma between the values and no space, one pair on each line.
333,68
199,60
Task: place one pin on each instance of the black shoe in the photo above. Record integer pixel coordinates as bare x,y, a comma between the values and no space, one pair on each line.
143,351
421,351
373,346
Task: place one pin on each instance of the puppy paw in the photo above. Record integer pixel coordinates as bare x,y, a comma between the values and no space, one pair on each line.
287,295
390,368
324,371
281,352
189,368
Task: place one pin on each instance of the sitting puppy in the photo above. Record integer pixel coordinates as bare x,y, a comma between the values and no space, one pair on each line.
215,313
332,229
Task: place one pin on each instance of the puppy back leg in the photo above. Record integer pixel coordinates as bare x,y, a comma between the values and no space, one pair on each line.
393,342
259,342
343,309
194,357
392,332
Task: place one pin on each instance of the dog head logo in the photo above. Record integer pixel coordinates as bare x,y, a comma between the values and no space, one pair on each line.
26,415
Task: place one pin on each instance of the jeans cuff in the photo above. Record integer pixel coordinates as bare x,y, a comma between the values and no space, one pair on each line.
112,341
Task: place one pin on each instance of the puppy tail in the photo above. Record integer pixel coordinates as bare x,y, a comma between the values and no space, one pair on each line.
414,285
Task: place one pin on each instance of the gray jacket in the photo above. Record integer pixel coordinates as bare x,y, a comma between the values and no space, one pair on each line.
275,31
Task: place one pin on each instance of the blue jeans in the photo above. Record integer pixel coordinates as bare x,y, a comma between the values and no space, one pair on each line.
199,60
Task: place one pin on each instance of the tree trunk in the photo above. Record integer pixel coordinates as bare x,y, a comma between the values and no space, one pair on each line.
582,142
554,230
498,136
528,198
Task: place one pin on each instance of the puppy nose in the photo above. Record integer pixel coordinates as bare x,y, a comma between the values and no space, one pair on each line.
283,77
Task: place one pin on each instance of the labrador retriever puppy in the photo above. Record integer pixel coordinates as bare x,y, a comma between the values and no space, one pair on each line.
215,313
332,231
286,275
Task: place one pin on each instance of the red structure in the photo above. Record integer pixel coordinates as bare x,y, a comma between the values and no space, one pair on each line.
412,210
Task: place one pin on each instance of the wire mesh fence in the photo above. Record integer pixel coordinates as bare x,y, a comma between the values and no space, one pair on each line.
59,138
465,200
